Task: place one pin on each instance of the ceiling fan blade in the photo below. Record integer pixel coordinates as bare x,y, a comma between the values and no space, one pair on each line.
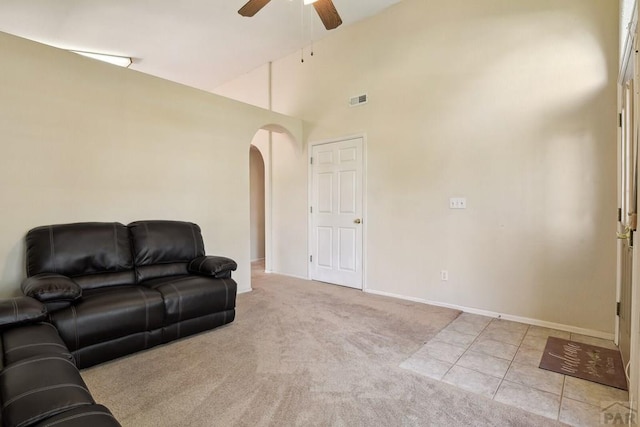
252,7
328,14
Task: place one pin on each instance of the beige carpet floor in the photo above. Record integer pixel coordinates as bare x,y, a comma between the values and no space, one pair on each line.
300,353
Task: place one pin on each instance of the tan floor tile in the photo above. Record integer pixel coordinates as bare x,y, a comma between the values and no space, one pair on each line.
494,348
535,377
466,327
534,342
484,363
528,356
538,331
529,399
593,341
472,381
593,393
428,367
455,338
475,319
503,335
507,325
579,414
442,351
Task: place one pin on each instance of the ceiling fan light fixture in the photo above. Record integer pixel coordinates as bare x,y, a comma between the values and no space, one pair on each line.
325,8
121,61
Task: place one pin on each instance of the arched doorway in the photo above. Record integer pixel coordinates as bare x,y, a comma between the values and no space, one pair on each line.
257,207
285,201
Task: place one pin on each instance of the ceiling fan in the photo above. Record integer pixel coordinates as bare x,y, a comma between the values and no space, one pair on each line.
325,8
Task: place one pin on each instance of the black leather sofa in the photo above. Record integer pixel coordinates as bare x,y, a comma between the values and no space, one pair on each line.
95,292
112,289
39,383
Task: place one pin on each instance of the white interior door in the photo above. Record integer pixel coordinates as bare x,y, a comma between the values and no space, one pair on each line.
336,213
626,220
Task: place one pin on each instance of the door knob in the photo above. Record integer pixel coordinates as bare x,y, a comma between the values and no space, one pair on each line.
357,221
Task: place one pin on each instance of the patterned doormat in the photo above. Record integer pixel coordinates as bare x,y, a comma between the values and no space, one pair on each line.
588,362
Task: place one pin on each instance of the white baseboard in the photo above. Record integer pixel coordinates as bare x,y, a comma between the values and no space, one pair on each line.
244,291
527,320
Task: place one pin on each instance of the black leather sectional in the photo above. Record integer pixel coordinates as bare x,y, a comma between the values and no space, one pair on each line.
95,292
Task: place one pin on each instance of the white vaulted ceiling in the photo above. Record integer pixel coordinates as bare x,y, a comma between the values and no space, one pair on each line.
200,43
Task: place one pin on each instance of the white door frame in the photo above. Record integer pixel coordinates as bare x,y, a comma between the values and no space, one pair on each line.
365,221
629,62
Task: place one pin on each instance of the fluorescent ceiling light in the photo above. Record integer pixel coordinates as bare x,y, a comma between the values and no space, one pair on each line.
309,1
122,61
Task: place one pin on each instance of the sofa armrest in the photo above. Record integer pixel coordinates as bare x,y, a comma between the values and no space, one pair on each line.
21,310
49,287
216,266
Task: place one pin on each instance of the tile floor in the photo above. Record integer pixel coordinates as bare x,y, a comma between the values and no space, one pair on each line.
499,359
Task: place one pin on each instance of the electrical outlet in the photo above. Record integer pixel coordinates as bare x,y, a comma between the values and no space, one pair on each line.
444,275
458,203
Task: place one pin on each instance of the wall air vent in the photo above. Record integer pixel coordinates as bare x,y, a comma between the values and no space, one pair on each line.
358,100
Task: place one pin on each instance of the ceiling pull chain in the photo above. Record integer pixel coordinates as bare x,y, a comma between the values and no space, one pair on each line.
302,31
312,36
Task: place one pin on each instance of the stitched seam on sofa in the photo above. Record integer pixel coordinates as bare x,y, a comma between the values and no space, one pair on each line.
182,279
146,317
75,326
102,273
173,261
146,230
26,362
42,389
20,347
48,324
50,413
115,242
226,266
48,276
53,250
193,236
179,306
202,262
73,417
15,309
226,294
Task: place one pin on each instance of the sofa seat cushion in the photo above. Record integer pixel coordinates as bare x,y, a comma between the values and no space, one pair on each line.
109,313
40,387
191,296
92,415
32,340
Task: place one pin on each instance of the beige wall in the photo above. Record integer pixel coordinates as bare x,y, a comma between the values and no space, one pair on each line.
509,104
86,141
256,191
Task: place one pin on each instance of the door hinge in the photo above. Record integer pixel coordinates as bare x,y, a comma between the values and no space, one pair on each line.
631,234
310,258
619,120
619,214
311,209
311,160
618,308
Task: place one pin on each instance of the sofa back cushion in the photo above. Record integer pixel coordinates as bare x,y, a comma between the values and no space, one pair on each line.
164,248
93,254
